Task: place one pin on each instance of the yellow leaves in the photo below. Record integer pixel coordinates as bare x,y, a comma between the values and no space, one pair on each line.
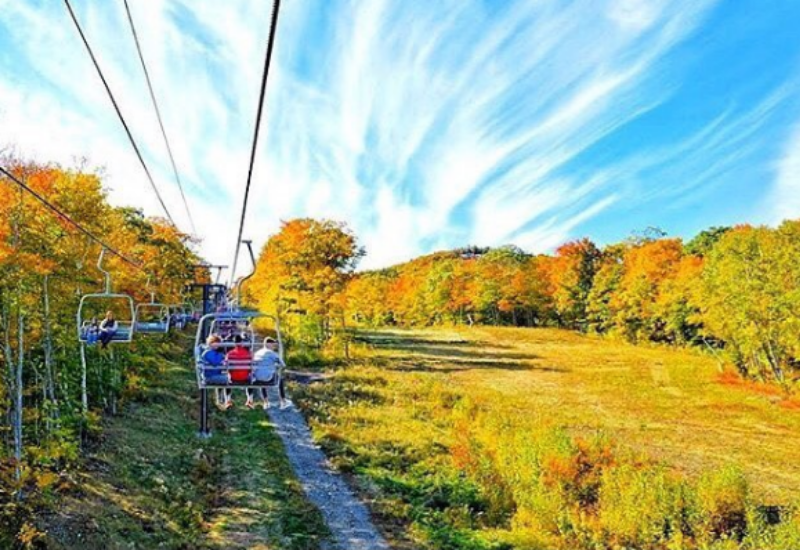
29,536
34,241
305,266
46,479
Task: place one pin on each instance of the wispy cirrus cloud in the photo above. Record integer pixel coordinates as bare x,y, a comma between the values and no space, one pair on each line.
423,124
452,121
784,200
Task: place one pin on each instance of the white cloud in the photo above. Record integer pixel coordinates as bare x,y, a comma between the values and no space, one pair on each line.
784,201
417,122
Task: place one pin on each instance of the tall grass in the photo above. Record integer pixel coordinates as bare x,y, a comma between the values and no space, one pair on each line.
458,470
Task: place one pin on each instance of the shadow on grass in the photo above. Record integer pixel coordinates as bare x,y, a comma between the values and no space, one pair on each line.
430,355
461,365
394,339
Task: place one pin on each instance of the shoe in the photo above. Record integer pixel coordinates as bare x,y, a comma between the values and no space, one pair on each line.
249,404
229,404
266,405
286,404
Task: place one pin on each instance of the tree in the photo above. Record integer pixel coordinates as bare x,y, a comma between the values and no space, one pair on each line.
750,298
571,274
704,241
645,268
303,269
45,264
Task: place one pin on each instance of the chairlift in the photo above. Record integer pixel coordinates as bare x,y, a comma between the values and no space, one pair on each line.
93,308
189,312
181,315
230,321
228,325
152,317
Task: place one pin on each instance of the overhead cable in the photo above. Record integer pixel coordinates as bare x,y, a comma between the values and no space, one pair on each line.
119,112
158,115
270,43
61,214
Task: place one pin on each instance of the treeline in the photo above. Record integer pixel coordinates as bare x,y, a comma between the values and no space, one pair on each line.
45,266
735,290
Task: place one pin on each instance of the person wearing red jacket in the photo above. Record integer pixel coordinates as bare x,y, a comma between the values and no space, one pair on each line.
240,374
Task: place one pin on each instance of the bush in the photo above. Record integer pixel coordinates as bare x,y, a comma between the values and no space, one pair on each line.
644,507
722,500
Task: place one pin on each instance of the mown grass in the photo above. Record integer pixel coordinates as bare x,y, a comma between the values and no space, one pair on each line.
525,438
151,483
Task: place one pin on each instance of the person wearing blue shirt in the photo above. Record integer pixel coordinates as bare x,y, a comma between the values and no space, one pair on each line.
213,370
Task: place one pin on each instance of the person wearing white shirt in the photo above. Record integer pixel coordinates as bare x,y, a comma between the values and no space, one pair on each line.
268,366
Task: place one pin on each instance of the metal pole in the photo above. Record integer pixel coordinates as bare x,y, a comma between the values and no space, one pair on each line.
84,394
205,433
105,273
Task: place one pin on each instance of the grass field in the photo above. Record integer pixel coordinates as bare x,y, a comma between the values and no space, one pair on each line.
151,483
397,414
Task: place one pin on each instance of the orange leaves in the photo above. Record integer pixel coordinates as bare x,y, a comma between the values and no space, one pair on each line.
652,260
34,241
304,267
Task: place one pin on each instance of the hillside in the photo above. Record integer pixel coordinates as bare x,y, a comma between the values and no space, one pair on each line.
430,417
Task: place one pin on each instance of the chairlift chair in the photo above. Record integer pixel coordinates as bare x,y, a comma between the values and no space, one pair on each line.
240,323
181,315
92,308
152,318
189,312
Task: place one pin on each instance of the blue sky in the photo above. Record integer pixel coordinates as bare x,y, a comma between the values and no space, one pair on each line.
425,125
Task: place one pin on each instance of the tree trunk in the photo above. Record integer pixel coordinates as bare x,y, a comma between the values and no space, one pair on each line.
773,361
49,383
8,352
345,339
84,393
18,401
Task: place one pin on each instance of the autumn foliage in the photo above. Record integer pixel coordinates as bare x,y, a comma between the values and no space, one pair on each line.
734,291
45,266
301,275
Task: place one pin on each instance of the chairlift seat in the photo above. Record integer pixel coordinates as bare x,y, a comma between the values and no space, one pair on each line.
218,378
157,324
151,327
124,333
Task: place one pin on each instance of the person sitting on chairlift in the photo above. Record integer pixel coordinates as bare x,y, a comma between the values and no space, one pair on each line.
91,331
268,362
108,328
240,374
216,374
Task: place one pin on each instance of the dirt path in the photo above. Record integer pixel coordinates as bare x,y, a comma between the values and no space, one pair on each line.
347,517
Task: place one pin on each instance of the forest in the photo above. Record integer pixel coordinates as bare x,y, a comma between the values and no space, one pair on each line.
52,408
493,398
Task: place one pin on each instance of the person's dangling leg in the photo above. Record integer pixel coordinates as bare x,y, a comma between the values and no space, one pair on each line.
249,402
228,400
285,402
264,398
